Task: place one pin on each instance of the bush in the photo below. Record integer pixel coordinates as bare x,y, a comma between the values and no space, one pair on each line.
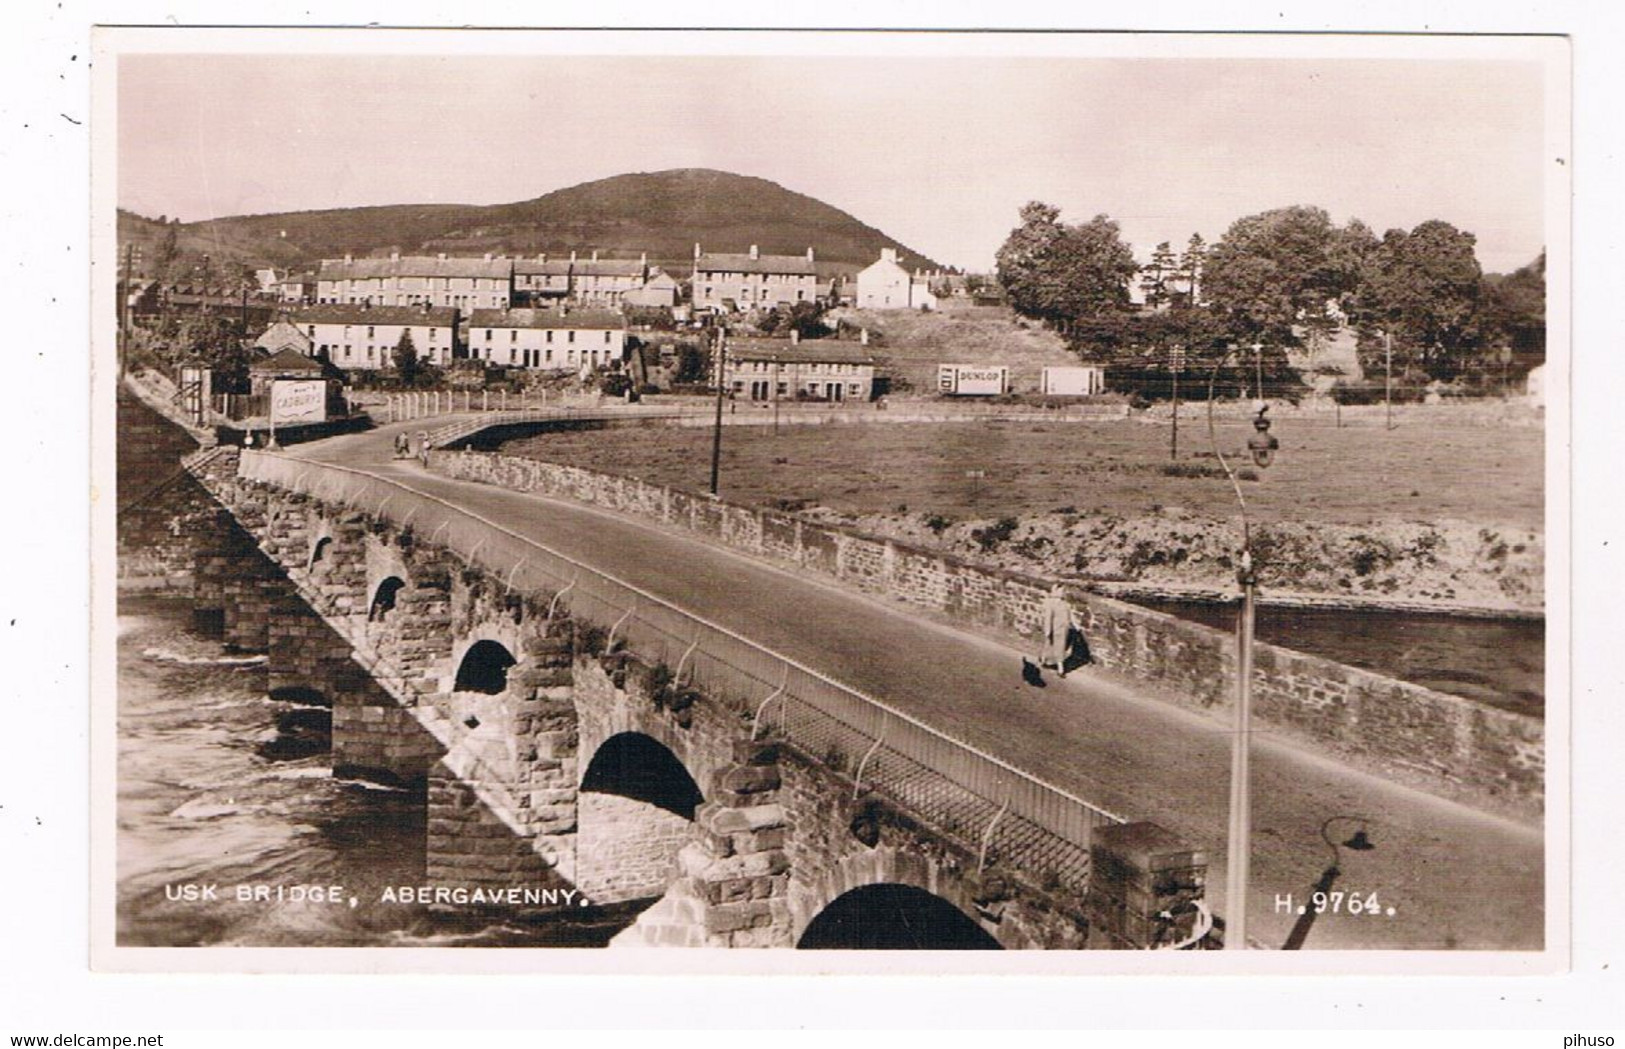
990,537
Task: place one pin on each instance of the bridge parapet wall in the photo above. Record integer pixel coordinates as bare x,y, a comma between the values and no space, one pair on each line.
1441,743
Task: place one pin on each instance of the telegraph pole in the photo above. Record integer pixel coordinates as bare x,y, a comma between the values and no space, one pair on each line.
720,356
1177,366
1388,380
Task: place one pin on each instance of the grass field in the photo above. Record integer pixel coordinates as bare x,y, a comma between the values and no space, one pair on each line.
1321,474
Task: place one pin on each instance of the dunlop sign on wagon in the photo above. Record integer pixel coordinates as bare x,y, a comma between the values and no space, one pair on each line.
973,380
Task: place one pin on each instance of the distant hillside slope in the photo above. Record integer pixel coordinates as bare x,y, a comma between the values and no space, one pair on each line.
912,343
663,213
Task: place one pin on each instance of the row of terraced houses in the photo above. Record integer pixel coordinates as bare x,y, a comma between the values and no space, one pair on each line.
549,312
720,281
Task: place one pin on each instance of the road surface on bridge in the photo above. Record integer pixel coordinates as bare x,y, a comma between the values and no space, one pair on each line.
1454,877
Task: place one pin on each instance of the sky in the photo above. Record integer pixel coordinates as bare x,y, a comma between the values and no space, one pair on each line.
938,152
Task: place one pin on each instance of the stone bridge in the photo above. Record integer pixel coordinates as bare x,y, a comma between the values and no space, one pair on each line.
578,743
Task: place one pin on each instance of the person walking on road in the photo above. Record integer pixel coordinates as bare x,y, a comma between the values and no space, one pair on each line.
1055,624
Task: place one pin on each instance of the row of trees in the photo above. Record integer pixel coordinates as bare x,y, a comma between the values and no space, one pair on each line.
1278,280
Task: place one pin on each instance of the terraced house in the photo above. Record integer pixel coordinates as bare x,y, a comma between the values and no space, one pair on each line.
362,336
752,280
561,339
413,280
789,369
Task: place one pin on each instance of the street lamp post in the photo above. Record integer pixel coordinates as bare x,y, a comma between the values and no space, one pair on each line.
1239,846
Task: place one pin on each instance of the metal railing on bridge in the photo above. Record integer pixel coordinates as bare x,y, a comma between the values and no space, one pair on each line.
994,809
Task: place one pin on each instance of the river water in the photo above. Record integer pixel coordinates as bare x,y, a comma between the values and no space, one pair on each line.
212,792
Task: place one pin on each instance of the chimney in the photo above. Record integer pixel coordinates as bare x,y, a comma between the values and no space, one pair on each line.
595,254
542,257
348,257
863,336
754,253
696,251
572,256
888,254
795,337
809,254
488,256
394,256
442,256
643,260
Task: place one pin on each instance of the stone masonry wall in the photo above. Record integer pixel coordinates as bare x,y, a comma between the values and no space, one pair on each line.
1441,743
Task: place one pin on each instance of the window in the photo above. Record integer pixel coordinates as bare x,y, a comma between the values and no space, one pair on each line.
513,334
550,352
432,334
311,331
606,337
346,351
569,336
488,335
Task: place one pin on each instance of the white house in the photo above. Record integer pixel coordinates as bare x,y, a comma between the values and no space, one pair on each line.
365,337
560,339
886,285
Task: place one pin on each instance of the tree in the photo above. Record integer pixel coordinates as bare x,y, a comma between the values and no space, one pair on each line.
406,358
1156,279
1191,264
212,340
1061,273
1515,313
1423,289
1270,269
168,252
804,318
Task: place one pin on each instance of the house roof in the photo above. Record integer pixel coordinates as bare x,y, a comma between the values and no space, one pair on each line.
710,262
523,318
536,267
342,313
609,267
415,266
288,360
283,333
807,351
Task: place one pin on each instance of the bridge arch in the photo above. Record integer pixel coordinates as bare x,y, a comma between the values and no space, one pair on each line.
484,668
890,916
830,902
319,550
635,812
384,597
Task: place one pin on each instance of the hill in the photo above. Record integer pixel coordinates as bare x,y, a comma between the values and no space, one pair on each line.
663,213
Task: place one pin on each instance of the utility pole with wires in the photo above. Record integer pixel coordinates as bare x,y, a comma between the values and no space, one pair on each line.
1388,380
720,357
1176,365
